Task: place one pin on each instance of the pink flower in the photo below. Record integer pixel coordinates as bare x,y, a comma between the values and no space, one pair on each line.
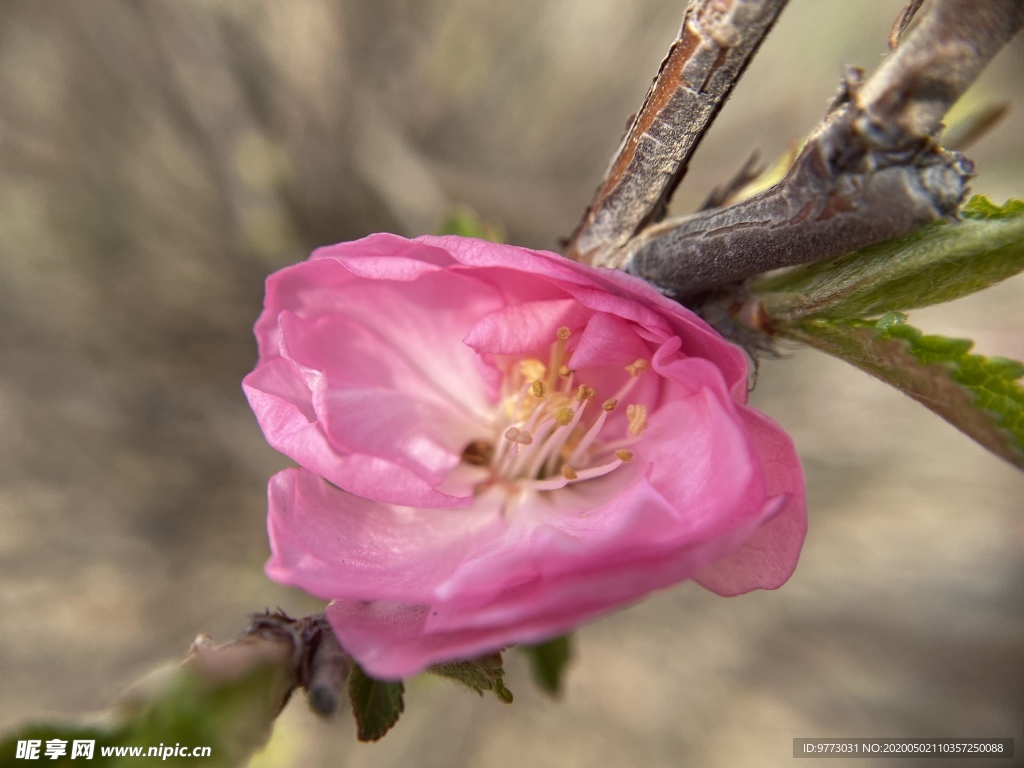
498,444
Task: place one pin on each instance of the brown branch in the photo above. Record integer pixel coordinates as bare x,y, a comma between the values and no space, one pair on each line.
899,27
717,40
871,172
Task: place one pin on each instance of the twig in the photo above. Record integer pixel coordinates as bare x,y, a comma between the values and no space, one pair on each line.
302,652
717,40
871,172
899,27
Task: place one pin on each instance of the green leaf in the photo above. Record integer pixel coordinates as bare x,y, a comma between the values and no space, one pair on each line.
548,661
939,263
376,704
464,222
980,207
981,396
482,674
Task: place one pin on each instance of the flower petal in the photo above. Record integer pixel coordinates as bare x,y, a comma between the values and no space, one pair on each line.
608,340
282,401
335,544
388,639
769,557
524,329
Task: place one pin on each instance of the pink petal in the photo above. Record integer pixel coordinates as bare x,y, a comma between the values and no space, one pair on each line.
608,340
395,639
525,329
386,251
534,266
336,544
286,414
704,462
389,642
769,556
410,370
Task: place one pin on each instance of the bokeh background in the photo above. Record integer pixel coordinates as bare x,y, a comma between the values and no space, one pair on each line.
159,158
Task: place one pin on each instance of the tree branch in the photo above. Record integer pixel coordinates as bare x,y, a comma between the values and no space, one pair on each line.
717,40
872,171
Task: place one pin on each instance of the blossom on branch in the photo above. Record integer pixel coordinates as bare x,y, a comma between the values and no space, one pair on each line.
497,444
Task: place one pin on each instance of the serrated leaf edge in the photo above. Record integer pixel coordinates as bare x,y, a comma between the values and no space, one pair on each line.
945,393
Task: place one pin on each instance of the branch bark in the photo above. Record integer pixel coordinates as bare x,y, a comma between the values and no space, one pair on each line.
872,171
302,652
717,40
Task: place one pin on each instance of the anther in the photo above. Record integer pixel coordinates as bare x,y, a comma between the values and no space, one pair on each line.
636,413
564,333
585,393
539,389
564,415
609,405
637,367
520,436
623,455
568,472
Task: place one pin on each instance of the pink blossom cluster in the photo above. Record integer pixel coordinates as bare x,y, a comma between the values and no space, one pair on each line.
496,444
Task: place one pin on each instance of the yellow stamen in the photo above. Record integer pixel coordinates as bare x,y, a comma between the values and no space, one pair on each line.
564,415
539,398
637,416
585,393
557,353
637,367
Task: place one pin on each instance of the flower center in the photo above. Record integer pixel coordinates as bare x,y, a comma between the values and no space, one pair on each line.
552,429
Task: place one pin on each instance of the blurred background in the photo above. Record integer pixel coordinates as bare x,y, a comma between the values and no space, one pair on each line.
158,159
